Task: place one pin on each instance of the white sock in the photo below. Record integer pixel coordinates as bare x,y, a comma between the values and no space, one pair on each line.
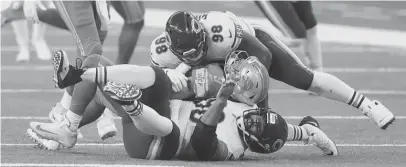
312,50
66,100
297,133
359,101
333,88
74,120
148,121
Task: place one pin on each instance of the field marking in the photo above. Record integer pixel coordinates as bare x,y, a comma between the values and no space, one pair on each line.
326,69
273,91
84,165
286,117
289,145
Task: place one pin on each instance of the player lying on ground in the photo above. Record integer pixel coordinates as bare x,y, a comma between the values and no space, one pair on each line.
191,40
153,124
87,22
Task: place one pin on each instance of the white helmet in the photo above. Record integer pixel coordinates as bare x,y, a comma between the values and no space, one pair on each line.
252,86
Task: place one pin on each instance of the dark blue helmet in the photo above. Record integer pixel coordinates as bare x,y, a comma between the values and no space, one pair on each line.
186,37
263,130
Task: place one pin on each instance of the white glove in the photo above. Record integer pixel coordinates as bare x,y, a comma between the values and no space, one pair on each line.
179,80
30,10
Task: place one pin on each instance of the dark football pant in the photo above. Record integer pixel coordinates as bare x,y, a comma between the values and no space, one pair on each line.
291,18
286,66
138,144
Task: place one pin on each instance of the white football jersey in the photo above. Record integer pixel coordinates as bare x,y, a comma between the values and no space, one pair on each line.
224,34
161,55
186,113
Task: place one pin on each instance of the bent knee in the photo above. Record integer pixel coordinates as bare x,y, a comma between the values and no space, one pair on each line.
91,61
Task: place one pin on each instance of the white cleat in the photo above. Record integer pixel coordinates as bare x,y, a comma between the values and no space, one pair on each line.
106,127
379,114
43,143
317,137
59,132
57,115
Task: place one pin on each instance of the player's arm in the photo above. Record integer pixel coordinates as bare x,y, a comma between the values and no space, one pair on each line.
204,139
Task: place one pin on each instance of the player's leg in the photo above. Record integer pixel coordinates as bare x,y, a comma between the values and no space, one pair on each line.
133,14
287,68
39,43
148,117
283,16
79,16
22,35
311,45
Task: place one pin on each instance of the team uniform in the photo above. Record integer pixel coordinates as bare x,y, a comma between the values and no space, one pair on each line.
184,115
224,30
285,66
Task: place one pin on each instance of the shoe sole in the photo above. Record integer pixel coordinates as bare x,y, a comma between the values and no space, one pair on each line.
391,121
57,60
108,135
39,144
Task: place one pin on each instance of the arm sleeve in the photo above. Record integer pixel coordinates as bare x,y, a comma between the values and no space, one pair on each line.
206,144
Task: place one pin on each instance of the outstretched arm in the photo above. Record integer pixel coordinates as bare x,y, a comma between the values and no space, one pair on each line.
204,139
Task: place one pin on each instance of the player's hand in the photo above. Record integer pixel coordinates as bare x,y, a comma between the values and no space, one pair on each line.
179,80
227,87
30,10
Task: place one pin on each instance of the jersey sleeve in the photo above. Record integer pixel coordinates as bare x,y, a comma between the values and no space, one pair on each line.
161,55
224,34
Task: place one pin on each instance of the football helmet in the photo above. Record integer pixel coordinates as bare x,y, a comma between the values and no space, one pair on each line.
253,79
262,130
186,37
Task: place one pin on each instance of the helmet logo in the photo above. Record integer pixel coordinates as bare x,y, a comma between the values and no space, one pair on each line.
277,145
195,26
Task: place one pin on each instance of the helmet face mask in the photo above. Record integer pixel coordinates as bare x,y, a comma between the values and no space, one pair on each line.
263,131
253,79
186,37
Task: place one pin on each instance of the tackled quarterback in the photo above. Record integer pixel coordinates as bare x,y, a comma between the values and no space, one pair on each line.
155,127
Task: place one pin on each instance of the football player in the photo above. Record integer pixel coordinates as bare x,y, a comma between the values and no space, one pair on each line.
87,22
155,127
296,21
191,40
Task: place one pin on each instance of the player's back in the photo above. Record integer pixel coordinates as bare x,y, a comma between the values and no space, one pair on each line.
186,113
224,31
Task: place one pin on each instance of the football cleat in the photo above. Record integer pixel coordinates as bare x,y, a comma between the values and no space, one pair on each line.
59,132
317,137
43,143
57,114
106,127
123,93
65,74
379,114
